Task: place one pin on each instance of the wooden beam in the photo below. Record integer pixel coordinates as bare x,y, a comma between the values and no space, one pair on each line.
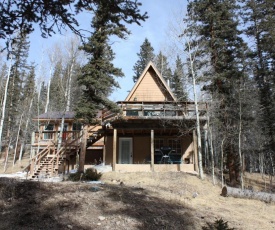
83,150
195,144
104,150
152,151
114,149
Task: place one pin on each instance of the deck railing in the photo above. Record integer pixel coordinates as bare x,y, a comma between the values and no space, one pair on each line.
166,109
52,136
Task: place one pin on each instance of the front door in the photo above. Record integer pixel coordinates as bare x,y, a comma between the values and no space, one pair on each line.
125,150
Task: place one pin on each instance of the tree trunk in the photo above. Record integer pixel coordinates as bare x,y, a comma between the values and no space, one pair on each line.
83,150
48,97
197,111
249,194
240,142
222,161
4,103
17,138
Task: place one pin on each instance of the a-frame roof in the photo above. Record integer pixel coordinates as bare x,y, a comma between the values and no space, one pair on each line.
151,86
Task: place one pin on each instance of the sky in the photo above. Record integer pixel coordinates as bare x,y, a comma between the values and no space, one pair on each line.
160,12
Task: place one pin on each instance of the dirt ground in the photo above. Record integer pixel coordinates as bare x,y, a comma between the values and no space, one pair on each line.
172,200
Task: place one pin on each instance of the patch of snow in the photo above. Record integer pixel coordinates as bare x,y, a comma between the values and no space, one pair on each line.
102,168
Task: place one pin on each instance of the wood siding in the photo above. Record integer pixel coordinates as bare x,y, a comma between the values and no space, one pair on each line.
150,88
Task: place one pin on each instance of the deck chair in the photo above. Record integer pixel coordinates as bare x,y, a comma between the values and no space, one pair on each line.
166,151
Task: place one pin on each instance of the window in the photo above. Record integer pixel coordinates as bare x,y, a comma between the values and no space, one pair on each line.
77,126
158,143
175,145
132,113
48,131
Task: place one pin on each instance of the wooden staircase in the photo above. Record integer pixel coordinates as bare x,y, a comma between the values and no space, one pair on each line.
49,161
46,163
48,167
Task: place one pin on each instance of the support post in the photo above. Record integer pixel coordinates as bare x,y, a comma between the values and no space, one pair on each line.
195,141
83,150
104,151
152,151
114,149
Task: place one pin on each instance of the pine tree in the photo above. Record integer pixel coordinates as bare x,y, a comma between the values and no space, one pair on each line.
179,82
145,55
57,88
98,76
217,29
18,72
259,18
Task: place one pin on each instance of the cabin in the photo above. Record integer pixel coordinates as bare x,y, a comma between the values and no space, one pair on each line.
153,132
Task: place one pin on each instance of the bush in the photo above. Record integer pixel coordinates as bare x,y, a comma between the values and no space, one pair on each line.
92,174
89,174
218,225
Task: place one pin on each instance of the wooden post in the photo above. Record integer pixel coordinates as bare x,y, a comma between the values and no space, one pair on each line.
83,150
152,151
114,149
104,151
195,141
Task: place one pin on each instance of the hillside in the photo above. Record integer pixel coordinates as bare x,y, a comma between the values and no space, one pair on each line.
127,201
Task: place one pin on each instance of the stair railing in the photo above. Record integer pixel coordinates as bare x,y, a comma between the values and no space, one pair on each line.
35,160
62,150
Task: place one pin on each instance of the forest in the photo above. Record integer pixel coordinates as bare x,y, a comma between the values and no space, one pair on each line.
226,47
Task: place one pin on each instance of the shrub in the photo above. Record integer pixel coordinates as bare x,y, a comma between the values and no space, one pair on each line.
219,224
92,174
89,174
75,176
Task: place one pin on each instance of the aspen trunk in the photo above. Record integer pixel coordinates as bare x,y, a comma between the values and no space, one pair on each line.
4,103
17,138
197,114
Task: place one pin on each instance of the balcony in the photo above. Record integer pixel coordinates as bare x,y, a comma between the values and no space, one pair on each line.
154,110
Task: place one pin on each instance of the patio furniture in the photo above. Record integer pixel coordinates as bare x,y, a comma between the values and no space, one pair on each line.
165,158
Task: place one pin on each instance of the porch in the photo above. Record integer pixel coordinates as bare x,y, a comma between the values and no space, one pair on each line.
156,168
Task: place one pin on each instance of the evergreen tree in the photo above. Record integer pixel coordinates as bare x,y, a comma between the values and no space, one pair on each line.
259,18
98,75
217,29
18,72
57,88
145,55
28,94
179,82
163,67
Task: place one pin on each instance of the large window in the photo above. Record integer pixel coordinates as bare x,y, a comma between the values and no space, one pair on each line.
132,113
158,143
175,145
48,131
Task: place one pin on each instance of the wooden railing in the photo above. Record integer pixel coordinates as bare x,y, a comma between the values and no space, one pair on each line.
52,136
50,150
35,160
157,109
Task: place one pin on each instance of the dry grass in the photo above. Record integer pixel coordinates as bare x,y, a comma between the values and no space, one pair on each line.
131,201
127,201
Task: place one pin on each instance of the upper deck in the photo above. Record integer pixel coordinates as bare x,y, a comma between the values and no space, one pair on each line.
138,110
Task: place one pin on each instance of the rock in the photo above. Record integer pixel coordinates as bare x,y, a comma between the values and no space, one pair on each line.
69,226
101,218
195,194
94,189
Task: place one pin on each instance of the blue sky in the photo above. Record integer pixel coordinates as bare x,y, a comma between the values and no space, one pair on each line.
161,13
155,29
